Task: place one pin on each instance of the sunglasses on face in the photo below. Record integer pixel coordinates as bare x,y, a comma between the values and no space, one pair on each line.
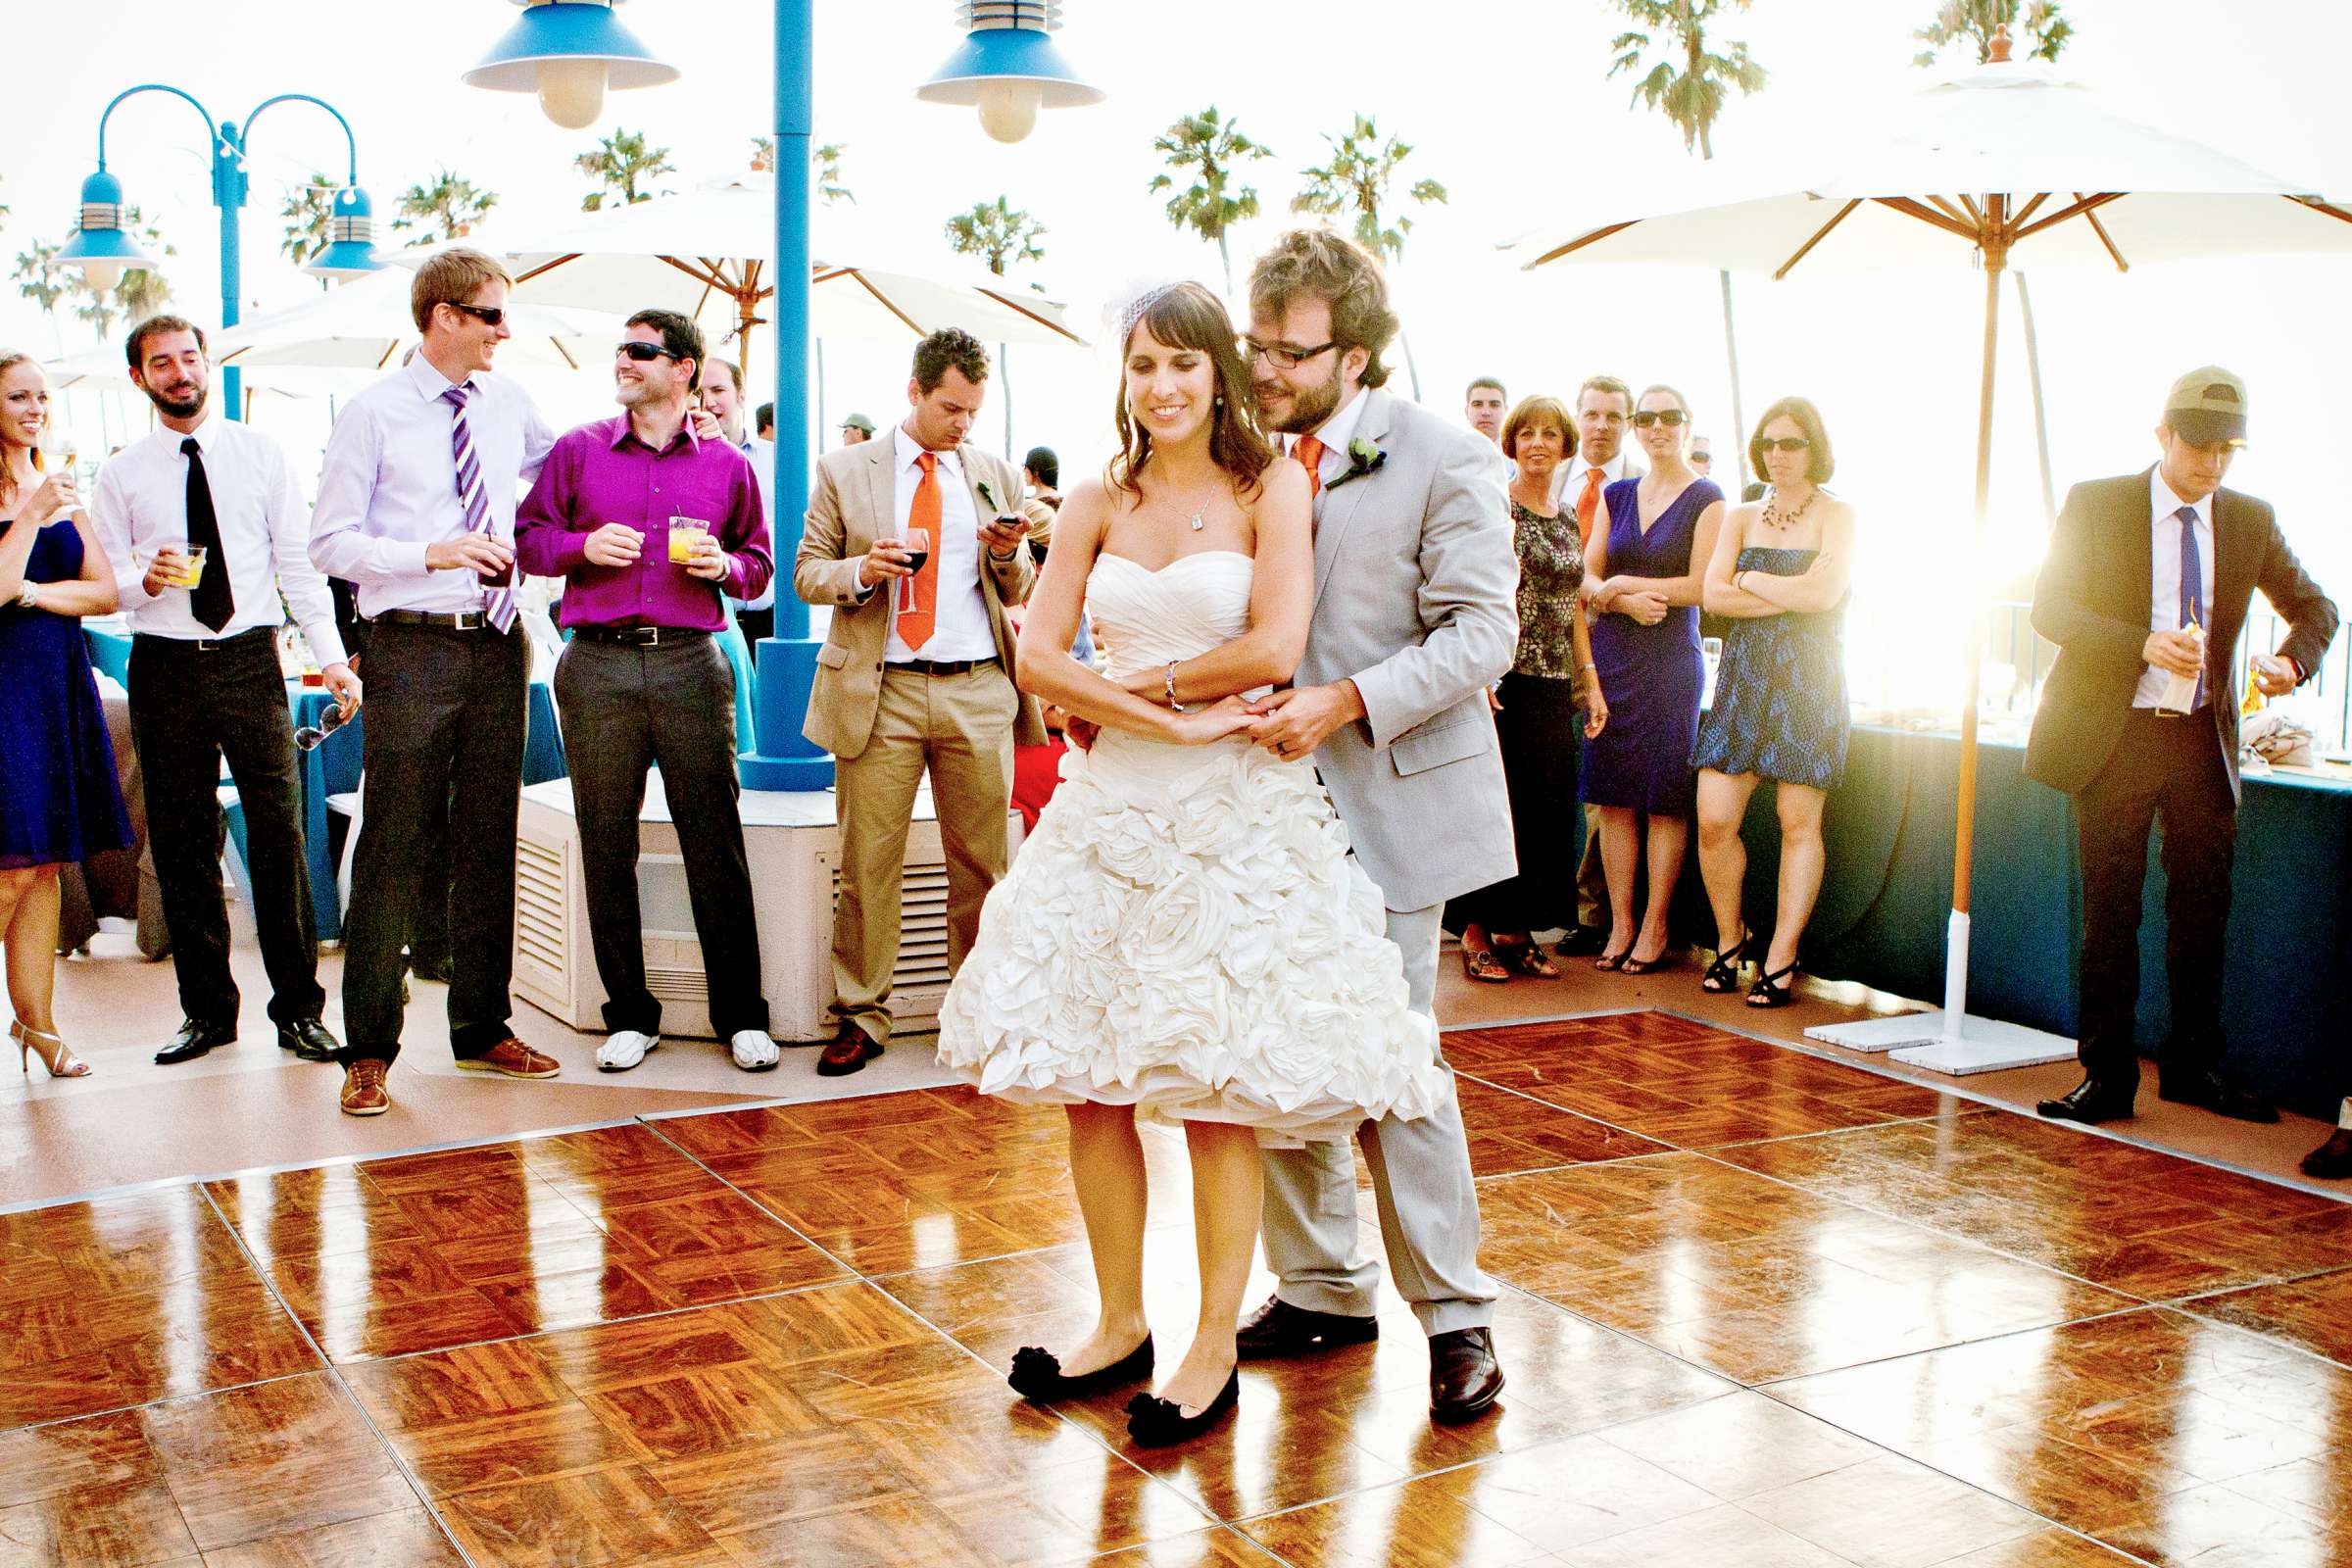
643,353
1282,356
1785,443
1671,418
1702,457
487,314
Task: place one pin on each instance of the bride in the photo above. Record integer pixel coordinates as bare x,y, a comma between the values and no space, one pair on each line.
1183,937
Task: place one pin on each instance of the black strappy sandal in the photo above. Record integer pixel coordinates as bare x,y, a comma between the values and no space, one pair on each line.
1767,995
1723,975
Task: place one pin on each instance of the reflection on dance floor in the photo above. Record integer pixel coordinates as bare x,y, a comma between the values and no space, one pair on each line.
1764,1310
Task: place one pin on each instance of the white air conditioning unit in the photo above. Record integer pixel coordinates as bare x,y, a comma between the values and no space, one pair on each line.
795,854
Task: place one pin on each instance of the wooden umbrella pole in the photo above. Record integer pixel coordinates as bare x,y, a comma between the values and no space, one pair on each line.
1955,978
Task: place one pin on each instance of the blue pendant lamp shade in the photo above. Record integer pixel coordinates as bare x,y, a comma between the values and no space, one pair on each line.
99,246
1008,67
351,239
568,52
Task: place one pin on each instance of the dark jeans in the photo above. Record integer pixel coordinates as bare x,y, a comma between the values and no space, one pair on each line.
428,923
445,726
2170,771
189,706
755,624
1540,730
670,705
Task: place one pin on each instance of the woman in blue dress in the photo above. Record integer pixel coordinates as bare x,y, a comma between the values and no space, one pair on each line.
1779,573
59,802
1645,569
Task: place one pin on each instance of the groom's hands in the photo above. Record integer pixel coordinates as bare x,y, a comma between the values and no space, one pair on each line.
1293,723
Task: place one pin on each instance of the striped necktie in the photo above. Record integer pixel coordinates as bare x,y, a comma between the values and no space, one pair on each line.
498,602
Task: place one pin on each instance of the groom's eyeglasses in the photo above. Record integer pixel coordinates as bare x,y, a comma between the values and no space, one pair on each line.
1671,418
1282,356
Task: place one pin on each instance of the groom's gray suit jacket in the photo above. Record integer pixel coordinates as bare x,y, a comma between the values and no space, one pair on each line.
1418,602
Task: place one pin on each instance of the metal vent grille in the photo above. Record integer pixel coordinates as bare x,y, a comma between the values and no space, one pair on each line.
923,926
542,897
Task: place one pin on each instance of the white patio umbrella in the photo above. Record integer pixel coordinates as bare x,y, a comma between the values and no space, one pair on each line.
2003,163
365,325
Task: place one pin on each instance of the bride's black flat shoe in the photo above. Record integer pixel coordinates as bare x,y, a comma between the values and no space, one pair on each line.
1037,1374
1156,1423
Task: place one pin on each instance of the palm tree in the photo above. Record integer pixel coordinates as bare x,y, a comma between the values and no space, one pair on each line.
620,165
1974,22
443,209
999,234
1355,182
39,278
829,188
1213,147
1688,84
309,214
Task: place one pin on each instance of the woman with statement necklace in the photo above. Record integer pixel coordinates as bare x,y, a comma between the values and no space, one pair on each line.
1645,569
1779,573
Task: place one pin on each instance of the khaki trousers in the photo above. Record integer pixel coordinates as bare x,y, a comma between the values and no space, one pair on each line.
960,729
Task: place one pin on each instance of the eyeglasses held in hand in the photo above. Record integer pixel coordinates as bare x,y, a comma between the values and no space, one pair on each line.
1671,418
643,353
487,314
1785,443
1282,356
309,737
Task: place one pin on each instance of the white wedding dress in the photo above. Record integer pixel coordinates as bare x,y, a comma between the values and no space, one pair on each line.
1185,931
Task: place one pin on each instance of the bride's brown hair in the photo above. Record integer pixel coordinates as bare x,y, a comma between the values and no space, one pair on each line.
1188,317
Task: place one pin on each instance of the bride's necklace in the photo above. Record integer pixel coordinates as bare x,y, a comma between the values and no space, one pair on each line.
1778,520
1196,516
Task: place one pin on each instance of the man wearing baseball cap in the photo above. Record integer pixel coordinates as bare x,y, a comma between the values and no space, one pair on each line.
856,428
2144,591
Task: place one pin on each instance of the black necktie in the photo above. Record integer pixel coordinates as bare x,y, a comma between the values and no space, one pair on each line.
210,598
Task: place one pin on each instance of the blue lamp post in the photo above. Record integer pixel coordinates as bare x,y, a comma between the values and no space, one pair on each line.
1007,67
104,250
568,52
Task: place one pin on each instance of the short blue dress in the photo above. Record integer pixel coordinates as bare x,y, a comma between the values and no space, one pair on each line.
1779,709
1649,675
58,801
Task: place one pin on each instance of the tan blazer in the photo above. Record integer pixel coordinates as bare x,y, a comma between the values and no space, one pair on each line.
856,504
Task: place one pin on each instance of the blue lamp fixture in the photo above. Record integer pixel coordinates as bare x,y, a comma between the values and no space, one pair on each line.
568,52
1008,67
104,250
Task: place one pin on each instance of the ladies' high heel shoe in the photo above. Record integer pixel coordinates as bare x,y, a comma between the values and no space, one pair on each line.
1723,974
1611,963
1156,1423
1037,1374
1767,995
54,1053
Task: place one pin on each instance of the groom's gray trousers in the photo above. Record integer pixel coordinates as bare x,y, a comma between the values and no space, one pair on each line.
1421,1177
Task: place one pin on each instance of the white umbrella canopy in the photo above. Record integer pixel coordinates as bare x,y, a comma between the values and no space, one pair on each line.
2004,163
366,326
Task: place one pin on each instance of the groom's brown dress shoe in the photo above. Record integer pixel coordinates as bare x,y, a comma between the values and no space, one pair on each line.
1463,1375
1279,1329
849,1052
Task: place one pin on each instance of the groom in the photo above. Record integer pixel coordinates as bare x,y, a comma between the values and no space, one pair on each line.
1415,615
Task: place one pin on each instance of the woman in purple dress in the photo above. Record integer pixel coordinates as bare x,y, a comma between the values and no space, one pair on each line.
58,798
1646,570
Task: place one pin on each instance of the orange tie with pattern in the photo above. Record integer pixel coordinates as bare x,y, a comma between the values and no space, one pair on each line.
1309,453
920,612
1587,508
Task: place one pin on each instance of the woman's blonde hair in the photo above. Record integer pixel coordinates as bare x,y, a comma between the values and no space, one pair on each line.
10,359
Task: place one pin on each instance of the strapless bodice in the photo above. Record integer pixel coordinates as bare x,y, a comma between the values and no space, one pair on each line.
1149,619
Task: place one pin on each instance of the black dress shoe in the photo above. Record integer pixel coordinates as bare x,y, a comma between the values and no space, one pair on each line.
1583,942
308,1037
2091,1101
1037,1374
2209,1090
2331,1162
1156,1423
194,1040
1463,1375
434,968
1279,1329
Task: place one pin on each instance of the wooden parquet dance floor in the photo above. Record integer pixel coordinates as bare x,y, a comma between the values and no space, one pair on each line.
1762,1310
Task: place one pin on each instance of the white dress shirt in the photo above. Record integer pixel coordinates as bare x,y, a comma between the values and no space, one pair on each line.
2164,577
1335,433
1570,480
142,506
388,488
960,626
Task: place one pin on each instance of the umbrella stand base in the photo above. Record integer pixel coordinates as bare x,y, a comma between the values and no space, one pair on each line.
1985,1045
1881,1034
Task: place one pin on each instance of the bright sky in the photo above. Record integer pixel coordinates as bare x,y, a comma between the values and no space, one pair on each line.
1505,103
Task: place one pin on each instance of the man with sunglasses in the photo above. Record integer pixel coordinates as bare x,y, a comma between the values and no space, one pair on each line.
416,506
648,524
2144,591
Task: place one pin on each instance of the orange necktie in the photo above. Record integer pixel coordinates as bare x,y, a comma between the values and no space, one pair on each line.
1309,453
918,613
1587,508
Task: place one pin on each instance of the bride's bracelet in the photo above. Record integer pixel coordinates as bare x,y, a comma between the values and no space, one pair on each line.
1172,702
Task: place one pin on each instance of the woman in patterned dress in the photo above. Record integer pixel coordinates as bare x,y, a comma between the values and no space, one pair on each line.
1779,573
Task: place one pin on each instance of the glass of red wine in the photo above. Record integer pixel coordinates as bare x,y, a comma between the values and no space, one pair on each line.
918,548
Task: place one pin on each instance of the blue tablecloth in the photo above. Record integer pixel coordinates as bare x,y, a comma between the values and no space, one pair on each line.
1888,893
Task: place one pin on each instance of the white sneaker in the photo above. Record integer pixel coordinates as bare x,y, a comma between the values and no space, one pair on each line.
625,1049
753,1051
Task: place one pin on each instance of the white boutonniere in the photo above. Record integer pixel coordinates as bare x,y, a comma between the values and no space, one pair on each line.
1364,458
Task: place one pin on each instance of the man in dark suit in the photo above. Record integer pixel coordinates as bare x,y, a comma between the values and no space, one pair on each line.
2144,593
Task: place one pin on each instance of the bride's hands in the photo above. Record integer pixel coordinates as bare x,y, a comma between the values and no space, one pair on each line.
1213,722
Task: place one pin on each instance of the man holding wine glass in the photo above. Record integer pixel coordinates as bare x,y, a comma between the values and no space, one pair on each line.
205,525
916,541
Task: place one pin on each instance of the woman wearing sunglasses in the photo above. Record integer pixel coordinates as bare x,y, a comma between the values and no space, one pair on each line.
1779,573
1646,568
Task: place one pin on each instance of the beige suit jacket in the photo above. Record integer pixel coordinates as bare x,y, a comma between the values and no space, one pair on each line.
856,504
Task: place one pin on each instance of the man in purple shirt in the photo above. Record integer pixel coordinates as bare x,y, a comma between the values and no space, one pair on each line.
648,526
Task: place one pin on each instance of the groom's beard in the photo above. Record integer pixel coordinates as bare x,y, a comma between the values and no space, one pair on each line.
1308,408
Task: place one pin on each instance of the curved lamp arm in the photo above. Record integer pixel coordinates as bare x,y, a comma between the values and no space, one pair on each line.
156,86
350,142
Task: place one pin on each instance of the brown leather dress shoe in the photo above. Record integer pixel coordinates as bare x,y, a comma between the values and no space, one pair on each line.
2332,1159
512,1058
364,1092
848,1051
1463,1375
